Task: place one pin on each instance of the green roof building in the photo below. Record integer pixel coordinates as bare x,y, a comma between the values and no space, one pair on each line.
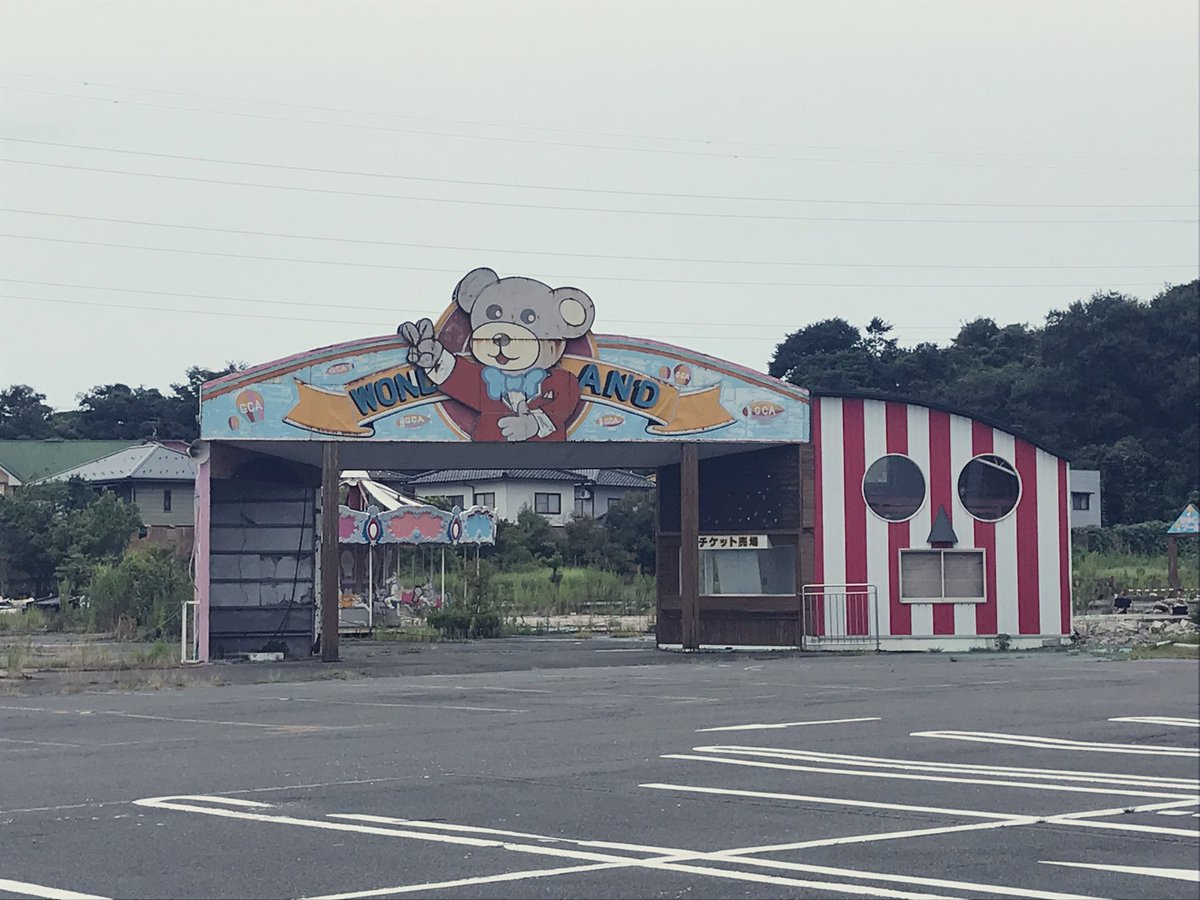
26,461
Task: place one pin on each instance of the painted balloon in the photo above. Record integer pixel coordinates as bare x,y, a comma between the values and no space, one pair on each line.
234,423
683,374
664,373
250,404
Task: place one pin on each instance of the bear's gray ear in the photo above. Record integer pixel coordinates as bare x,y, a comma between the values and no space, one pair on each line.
472,285
576,310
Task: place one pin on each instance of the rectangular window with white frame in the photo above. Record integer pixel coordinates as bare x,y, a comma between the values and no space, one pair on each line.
547,504
942,576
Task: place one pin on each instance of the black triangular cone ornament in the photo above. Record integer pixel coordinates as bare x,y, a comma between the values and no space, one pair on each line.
942,531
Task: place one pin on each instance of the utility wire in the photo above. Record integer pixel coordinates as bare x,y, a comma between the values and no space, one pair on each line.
542,128
458,271
496,250
587,190
388,326
594,209
541,142
398,310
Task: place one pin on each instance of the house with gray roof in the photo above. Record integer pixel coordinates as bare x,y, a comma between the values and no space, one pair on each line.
556,494
158,477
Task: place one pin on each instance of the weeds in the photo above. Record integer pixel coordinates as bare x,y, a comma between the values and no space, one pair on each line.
25,622
421,634
16,656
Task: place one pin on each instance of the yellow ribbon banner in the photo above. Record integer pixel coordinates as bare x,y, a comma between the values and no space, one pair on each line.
351,411
673,413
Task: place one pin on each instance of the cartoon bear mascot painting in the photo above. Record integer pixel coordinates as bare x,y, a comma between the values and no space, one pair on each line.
508,372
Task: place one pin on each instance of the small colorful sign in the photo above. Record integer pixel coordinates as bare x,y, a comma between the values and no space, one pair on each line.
1188,521
416,525
734,542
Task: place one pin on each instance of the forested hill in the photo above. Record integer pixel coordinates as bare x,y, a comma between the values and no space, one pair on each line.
1112,382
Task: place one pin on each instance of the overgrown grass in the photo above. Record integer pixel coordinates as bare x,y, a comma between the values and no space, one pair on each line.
1177,650
580,591
16,656
27,622
420,634
1097,576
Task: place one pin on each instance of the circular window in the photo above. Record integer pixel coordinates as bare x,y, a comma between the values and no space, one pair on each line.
989,487
894,487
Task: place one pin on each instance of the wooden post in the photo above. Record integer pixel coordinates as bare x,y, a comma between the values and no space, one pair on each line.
1173,563
329,551
689,545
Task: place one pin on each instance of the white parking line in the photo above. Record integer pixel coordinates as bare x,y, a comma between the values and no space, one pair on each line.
801,798
1159,720
675,860
465,882
1052,743
382,703
922,765
1177,874
764,727
743,855
40,890
946,773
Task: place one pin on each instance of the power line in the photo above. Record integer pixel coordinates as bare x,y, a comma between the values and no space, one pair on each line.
541,128
413,312
621,257
587,190
540,142
458,271
390,326
596,209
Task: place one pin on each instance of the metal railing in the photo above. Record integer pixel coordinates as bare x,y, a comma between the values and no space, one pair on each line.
189,632
840,615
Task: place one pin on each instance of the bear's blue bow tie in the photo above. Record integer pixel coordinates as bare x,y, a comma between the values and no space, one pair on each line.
499,383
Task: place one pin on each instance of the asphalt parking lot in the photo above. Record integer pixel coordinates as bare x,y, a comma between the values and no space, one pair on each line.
618,772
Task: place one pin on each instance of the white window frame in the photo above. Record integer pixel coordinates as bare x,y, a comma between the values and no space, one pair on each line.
978,551
924,481
1015,471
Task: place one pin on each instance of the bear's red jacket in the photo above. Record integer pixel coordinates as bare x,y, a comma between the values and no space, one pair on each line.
558,399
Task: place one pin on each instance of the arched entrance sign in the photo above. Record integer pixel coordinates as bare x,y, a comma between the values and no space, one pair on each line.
512,374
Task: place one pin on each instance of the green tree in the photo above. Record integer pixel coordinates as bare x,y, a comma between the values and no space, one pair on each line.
24,413
630,524
60,530
586,542
1110,381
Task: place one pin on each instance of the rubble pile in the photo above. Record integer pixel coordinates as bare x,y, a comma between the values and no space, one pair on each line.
1117,631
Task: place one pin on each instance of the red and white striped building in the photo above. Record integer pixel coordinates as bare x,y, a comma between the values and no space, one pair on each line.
1003,565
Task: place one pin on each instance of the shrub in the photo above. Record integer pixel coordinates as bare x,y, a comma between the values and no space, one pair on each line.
147,587
463,623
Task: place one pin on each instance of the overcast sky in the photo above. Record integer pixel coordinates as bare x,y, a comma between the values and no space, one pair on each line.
713,174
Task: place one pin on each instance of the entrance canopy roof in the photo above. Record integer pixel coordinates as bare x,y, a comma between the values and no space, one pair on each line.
412,455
